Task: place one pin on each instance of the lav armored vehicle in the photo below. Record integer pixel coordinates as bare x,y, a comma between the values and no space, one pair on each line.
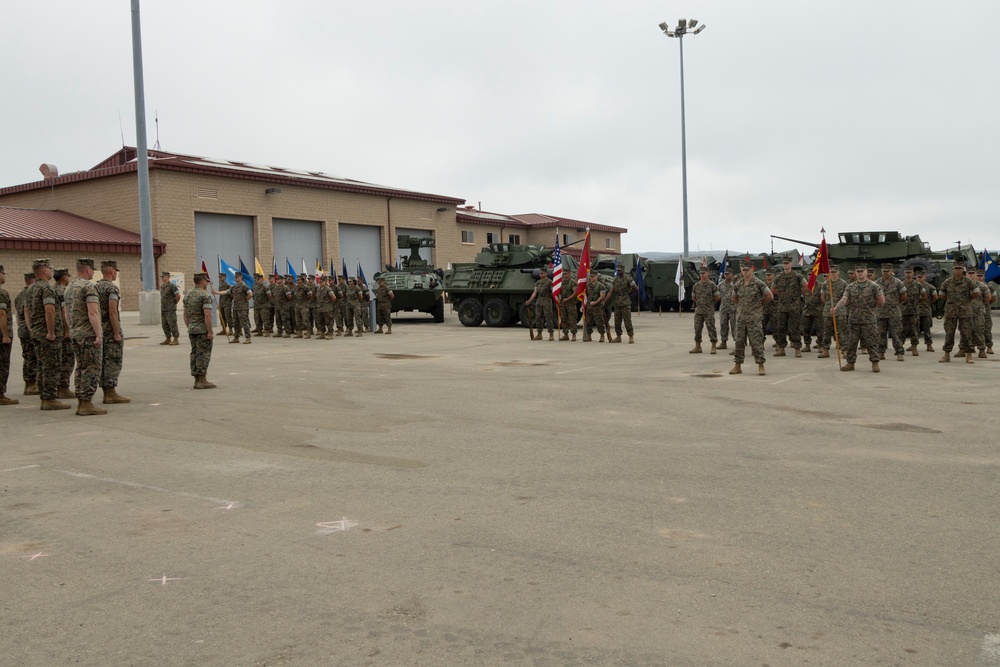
416,286
494,287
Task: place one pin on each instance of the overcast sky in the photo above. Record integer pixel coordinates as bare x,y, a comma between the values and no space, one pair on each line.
875,114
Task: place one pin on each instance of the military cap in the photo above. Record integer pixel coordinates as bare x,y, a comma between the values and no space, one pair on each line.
311,276
222,275
769,271
163,274
729,269
85,261
288,276
786,259
200,276
918,270
29,276
907,269
860,267
258,275
887,266
109,264
41,262
703,269
60,272
959,264
834,267
746,265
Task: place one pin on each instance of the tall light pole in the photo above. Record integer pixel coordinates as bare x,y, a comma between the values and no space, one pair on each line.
684,27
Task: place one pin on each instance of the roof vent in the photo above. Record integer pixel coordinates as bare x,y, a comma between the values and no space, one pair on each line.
49,170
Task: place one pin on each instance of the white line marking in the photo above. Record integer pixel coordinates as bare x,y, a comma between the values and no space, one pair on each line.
791,378
328,527
147,487
574,370
989,655
35,465
164,579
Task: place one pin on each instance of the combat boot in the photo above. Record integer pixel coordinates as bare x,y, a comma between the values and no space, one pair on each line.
875,368
308,334
982,353
536,336
87,407
201,383
388,330
8,401
564,336
573,339
930,347
286,335
617,339
31,389
112,396
989,350
234,340
54,404
696,349
587,338
349,333
760,369
166,341
175,342
340,332
552,336
737,369
64,392
914,351
823,354
267,334
602,339
379,330
798,353
247,341
779,352
899,357
945,359
807,348
714,348
849,366
722,346
960,354
223,332
631,339
968,359
258,333
358,335
298,334
912,348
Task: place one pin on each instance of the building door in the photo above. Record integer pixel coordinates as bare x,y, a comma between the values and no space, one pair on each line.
361,243
227,236
296,241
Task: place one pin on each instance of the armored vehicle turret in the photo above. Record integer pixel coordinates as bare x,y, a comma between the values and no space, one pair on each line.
416,285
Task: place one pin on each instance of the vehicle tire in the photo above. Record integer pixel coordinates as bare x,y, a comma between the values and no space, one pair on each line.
438,311
496,313
523,315
930,269
470,313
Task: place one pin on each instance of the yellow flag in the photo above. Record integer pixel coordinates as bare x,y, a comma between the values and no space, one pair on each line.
257,267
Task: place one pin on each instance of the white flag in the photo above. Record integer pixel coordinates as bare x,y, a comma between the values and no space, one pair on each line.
679,279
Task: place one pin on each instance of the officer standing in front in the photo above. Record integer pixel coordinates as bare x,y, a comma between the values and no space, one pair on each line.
198,320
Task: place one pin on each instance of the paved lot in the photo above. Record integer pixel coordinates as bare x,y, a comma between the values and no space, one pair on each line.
447,496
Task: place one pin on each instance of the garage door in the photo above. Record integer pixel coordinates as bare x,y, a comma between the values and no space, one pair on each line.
297,240
361,243
227,236
400,253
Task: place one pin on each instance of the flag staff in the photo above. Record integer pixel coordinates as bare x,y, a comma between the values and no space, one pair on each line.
826,260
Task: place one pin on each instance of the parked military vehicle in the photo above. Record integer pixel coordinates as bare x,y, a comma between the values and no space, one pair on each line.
661,282
416,285
605,265
494,287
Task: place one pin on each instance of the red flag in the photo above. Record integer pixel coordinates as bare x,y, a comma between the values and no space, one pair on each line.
204,269
584,270
765,264
821,265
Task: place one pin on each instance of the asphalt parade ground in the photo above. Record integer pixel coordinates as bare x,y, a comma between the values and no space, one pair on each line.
446,496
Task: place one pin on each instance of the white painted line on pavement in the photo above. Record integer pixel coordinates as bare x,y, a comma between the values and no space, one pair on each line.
147,487
35,465
989,655
574,370
791,378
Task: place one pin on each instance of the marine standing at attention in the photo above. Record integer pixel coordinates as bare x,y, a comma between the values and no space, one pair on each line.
597,295
29,360
241,296
84,311
750,295
114,345
198,320
383,302
6,339
261,291
890,316
568,312
812,314
170,295
44,319
225,304
704,294
543,311
621,291
727,311
910,310
929,297
862,299
959,291
837,285
788,288
60,279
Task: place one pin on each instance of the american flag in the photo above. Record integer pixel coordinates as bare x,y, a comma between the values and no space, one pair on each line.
556,271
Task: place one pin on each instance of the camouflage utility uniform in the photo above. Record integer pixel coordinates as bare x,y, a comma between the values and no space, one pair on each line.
47,351
168,309
787,318
703,294
225,303
340,305
862,306
89,357
837,287
910,311
29,358
195,303
749,318
959,296
890,318
240,295
727,312
324,309
66,357
812,315
361,308
544,316
6,339
596,314
925,311
114,341
281,301
261,305
622,293
568,312
383,301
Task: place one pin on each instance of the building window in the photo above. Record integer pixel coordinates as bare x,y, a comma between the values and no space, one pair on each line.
468,237
514,239
567,239
609,242
490,238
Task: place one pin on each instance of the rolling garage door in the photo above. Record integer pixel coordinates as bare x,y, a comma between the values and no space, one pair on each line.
227,236
361,243
297,240
400,253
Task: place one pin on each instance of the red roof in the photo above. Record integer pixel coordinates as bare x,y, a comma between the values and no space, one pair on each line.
124,161
37,229
539,220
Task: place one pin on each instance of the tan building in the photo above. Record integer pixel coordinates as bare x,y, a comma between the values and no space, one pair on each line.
204,209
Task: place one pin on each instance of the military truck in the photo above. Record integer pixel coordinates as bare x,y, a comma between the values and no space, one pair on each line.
494,287
606,264
416,285
661,282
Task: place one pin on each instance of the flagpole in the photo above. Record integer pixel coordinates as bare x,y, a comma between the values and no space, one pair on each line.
829,282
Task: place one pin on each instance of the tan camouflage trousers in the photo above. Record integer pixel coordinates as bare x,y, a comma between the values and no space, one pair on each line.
302,319
241,323
29,360
66,361
890,327
911,327
926,323
812,326
749,331
964,326
568,314
114,353
624,313
787,326
826,339
596,318
361,316
865,333
324,321
267,314
201,354
347,315
47,353
283,320
727,323
978,328
168,320
383,314
4,366
701,321
89,358
544,316
988,328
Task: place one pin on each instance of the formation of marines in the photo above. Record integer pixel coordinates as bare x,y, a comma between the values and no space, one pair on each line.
866,314
65,329
549,314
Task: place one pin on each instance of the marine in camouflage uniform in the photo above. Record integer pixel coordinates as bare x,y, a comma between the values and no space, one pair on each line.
198,319
361,319
959,292
261,304
170,294
889,316
84,312
980,311
241,296
770,308
924,309
42,306
225,305
383,304
910,309
6,339
29,360
340,309
281,301
750,295
596,315
542,297
60,279
862,299
114,340
324,309
836,285
704,294
727,310
568,311
812,315
788,288
621,293
991,295
303,297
